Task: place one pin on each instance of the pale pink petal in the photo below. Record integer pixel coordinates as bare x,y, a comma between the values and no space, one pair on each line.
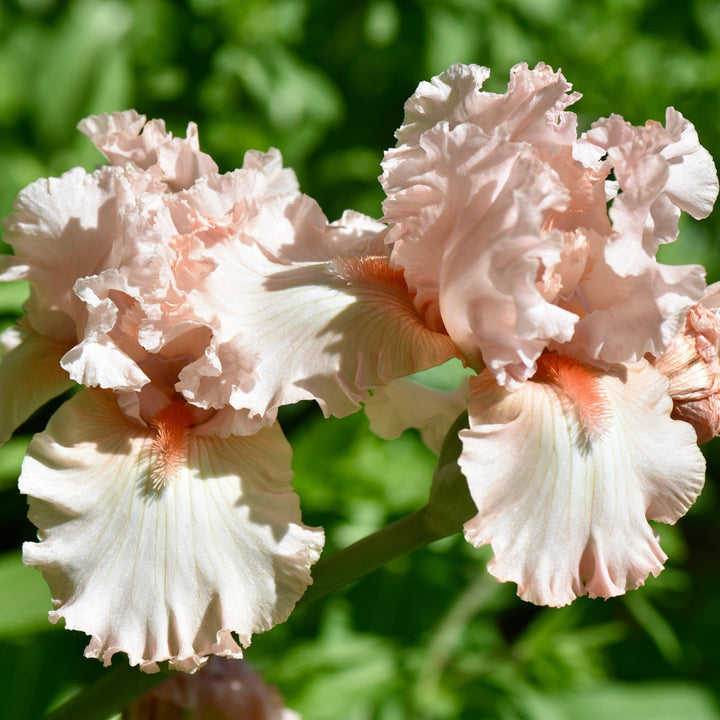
468,222
566,472
328,320
635,305
61,229
532,110
166,572
30,375
692,366
659,171
693,182
224,689
407,404
634,314
124,137
97,360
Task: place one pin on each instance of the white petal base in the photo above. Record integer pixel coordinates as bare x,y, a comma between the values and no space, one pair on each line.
566,473
172,573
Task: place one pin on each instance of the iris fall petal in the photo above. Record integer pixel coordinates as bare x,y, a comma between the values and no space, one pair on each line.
173,572
567,471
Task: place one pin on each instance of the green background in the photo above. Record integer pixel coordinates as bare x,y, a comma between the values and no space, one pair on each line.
431,636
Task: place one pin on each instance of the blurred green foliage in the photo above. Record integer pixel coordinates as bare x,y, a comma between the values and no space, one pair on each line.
432,636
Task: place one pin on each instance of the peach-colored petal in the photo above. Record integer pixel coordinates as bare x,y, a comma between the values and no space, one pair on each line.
160,543
468,229
499,218
61,229
30,375
125,137
634,314
328,320
693,182
692,366
404,404
637,305
566,472
224,689
532,110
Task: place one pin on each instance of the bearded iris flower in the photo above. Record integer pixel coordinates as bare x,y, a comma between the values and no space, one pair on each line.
168,527
498,217
191,305
223,690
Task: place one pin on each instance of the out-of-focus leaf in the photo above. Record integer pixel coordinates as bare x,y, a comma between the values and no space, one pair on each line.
12,296
340,674
383,477
73,60
648,701
24,598
655,625
11,457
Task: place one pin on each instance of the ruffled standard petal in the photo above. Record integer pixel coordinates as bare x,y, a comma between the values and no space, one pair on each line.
172,570
468,232
565,473
532,110
693,181
125,137
30,375
60,229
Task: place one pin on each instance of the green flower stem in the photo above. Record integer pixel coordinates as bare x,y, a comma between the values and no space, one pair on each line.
372,552
450,506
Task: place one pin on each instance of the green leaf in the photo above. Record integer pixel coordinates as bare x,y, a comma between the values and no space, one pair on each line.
11,457
650,701
24,598
12,296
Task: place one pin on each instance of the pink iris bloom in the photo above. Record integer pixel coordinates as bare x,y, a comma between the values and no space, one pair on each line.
168,527
499,220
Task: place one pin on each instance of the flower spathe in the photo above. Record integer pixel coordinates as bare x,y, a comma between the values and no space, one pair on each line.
223,690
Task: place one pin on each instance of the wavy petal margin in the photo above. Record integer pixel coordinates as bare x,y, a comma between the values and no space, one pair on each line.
566,472
175,573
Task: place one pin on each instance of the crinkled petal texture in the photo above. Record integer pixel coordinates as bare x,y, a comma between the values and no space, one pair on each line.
532,110
498,215
566,472
146,318
125,137
169,572
329,316
468,229
61,229
637,304
692,366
